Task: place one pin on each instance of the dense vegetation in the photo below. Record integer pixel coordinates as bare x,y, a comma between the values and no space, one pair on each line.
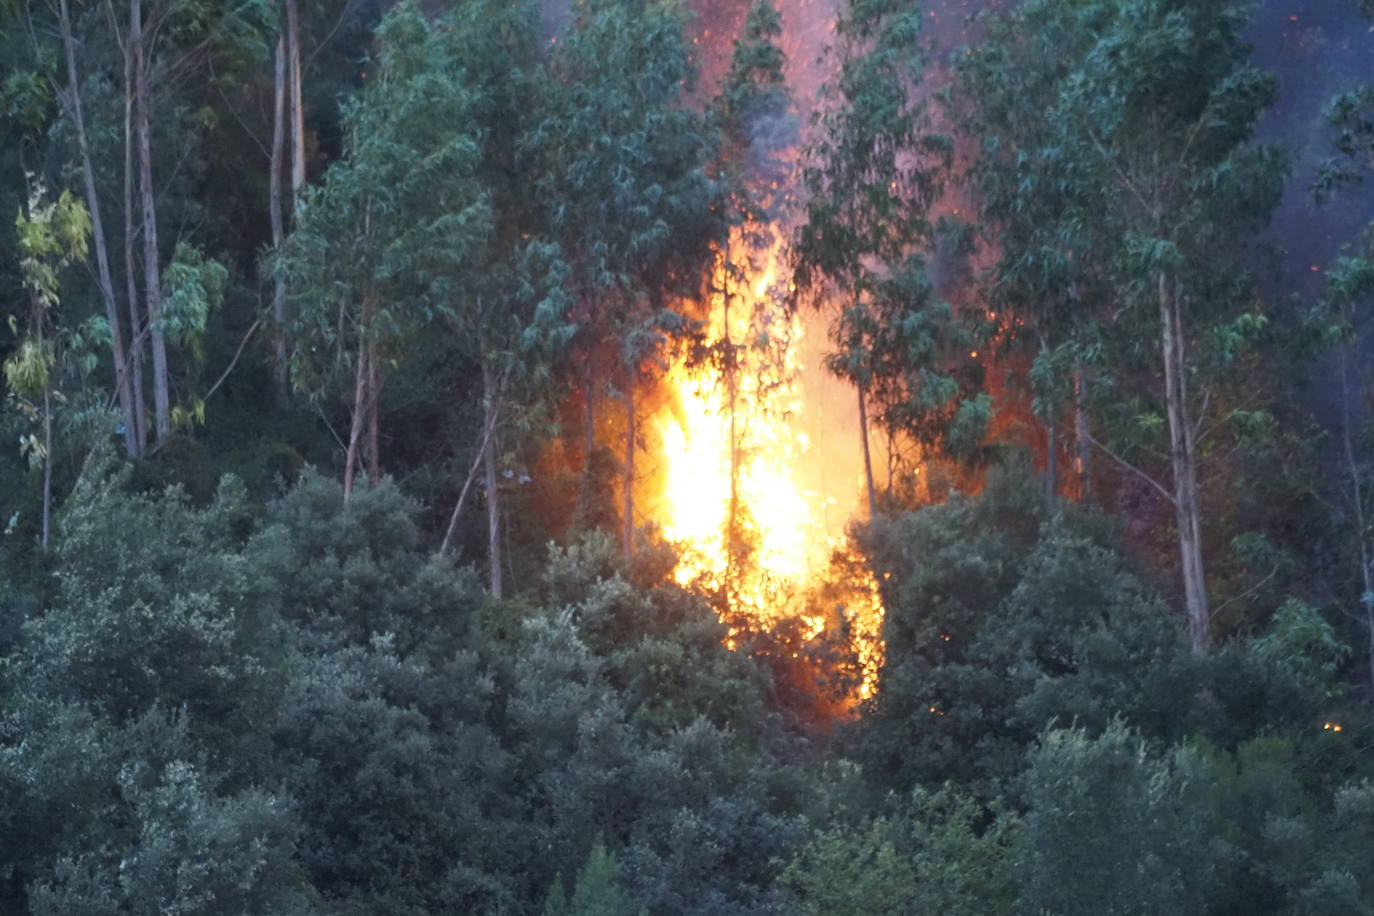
321,586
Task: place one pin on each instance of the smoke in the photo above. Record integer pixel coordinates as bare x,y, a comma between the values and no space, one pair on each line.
1316,48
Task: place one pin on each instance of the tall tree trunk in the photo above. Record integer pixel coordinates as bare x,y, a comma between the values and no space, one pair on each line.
102,256
47,467
355,426
152,283
1349,358
868,458
137,329
374,395
733,539
1051,461
1183,457
274,194
488,429
586,492
493,492
293,44
629,532
1081,438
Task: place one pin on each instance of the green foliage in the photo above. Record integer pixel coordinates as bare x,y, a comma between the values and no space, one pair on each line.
757,124
942,853
1118,825
998,621
358,569
401,212
28,370
1349,116
195,853
395,772
1112,828
215,705
597,891
622,160
53,235
193,286
1301,642
1065,105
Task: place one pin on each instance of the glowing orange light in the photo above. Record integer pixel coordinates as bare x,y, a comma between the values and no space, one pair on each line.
790,494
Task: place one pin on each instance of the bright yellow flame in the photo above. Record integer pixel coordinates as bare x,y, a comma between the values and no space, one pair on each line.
791,497
774,508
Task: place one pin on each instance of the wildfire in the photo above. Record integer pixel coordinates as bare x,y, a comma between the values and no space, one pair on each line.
761,468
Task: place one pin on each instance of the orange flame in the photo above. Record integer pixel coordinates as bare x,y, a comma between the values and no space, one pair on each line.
750,429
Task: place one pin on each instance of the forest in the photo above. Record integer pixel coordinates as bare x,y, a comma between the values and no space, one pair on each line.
599,457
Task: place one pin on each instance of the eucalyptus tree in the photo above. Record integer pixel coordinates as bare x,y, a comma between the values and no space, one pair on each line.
400,216
160,59
508,313
622,169
1051,268
1149,110
71,96
1338,317
288,121
873,175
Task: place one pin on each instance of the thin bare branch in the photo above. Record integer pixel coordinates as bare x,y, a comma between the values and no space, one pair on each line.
257,322
1160,488
1248,592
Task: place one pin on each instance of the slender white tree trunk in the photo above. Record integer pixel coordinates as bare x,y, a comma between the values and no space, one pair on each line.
293,45
102,256
355,426
1081,437
152,282
47,467
137,328
1183,457
493,490
374,395
274,195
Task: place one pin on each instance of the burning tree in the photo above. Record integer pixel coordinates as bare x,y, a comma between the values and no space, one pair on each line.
874,173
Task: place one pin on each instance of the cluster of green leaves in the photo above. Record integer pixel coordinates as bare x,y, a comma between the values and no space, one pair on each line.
400,214
300,709
1049,744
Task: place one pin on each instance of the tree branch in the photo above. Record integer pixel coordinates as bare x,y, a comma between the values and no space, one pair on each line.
1248,592
233,362
1130,467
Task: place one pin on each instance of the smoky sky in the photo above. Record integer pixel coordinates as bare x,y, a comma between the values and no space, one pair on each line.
1315,48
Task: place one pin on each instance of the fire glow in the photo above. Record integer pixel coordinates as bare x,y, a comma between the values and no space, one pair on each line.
759,463
761,468
756,468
